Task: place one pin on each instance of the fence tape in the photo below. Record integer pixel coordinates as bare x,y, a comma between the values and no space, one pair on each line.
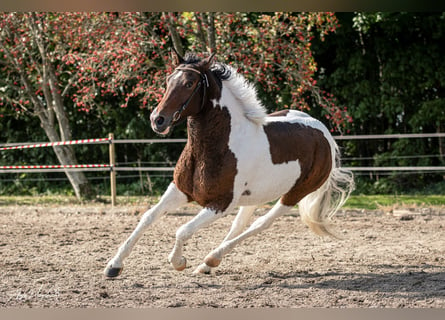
401,168
57,166
50,144
103,167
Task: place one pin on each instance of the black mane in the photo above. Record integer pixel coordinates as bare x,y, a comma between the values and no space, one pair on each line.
219,70
191,58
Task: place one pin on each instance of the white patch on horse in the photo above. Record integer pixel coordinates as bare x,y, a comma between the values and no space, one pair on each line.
245,96
176,75
264,181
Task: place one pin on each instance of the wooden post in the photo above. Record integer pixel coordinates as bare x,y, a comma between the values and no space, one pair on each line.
113,171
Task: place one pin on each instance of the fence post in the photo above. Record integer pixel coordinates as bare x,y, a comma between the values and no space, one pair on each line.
113,171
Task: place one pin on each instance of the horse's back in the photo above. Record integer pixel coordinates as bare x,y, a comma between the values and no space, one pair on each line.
300,127
299,117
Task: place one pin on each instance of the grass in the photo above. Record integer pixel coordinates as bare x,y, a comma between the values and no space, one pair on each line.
367,202
63,200
373,202
38,200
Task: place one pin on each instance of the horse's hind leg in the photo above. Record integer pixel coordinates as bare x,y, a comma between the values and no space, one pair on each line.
214,258
240,221
238,225
203,219
171,199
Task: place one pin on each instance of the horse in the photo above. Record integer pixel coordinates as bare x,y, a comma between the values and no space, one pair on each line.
236,155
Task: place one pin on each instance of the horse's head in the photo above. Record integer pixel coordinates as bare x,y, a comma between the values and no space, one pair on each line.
187,91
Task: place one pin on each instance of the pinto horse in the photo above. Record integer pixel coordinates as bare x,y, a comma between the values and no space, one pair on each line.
237,155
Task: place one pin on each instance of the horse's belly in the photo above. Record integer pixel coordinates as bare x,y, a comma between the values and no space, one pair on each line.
266,182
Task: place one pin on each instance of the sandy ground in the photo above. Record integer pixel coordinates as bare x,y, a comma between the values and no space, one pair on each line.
55,256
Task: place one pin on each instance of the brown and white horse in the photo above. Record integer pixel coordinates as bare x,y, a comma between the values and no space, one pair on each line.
237,155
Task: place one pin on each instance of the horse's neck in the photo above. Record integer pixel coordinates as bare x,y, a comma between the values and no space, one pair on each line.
209,131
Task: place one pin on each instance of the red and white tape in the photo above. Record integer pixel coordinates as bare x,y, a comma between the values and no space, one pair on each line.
59,143
57,166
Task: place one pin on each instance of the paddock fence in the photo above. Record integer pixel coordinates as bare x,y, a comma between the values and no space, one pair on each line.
113,168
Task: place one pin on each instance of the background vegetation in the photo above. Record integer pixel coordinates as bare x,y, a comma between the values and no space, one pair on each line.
81,75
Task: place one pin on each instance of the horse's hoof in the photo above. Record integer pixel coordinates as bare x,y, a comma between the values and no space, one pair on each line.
113,272
181,266
212,261
203,269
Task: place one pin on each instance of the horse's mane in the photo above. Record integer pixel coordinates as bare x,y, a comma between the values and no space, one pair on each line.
245,92
191,58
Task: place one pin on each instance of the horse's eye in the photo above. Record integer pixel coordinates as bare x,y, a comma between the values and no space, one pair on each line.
188,84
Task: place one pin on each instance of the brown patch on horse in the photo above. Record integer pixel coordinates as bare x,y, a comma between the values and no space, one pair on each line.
206,169
295,141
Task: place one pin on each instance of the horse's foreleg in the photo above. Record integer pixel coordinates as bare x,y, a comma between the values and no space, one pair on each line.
214,258
204,218
238,225
171,199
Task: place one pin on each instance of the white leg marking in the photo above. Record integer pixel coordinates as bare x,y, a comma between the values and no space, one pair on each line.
238,224
257,226
240,221
204,218
170,200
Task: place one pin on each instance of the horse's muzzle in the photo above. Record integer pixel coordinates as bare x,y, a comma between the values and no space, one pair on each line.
159,123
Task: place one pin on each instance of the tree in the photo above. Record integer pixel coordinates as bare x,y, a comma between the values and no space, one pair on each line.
388,68
56,66
53,64
31,83
272,50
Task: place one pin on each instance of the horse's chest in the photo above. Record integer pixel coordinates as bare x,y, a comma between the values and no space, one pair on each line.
207,178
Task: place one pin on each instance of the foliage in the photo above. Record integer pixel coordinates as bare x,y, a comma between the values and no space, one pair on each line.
102,72
388,69
274,52
31,83
98,56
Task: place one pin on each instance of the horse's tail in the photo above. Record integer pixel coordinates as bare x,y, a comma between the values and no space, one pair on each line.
318,207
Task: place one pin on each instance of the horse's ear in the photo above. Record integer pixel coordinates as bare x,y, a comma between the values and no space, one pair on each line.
177,59
207,62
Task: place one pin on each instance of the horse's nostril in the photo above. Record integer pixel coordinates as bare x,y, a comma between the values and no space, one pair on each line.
159,121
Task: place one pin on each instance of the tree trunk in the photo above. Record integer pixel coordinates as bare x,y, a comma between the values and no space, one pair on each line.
54,110
82,188
200,31
176,39
66,156
211,31
49,108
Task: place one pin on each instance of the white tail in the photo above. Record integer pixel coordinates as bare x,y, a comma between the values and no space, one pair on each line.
318,207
